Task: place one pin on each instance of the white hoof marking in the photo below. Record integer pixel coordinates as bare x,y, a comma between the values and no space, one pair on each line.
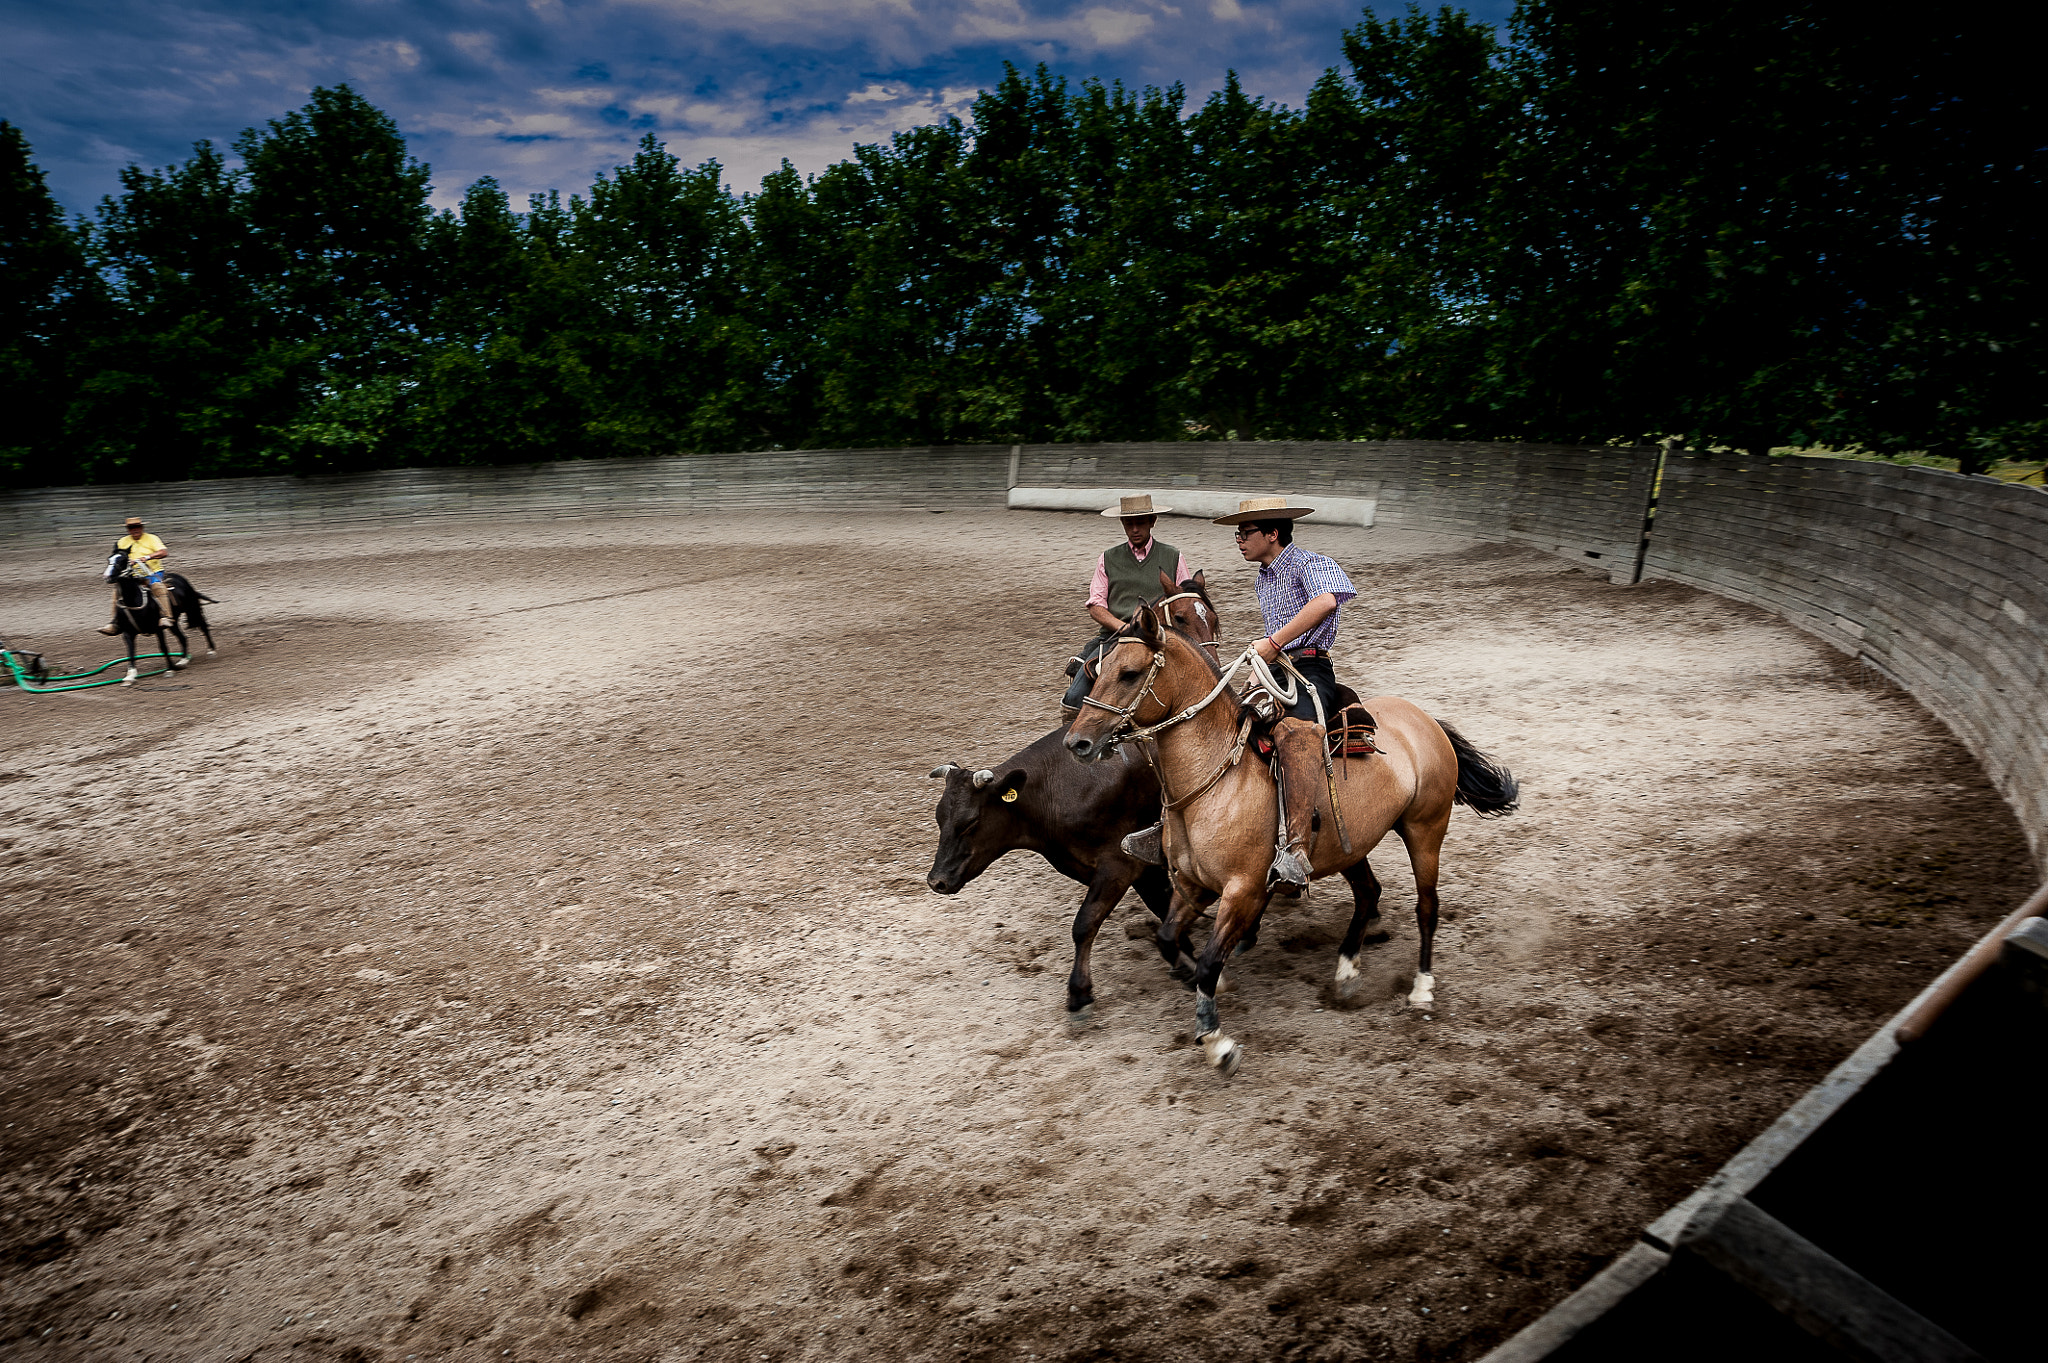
1347,968
129,680
1223,1053
1425,991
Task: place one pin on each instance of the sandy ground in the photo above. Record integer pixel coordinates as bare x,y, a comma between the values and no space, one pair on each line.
524,954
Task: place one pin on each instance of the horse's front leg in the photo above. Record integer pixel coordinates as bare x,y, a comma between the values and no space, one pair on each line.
1113,875
1174,946
1237,910
184,648
128,638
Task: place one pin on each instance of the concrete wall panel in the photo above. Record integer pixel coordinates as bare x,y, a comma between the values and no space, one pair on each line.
1940,581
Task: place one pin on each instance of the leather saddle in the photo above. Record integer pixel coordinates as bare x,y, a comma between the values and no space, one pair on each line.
1351,732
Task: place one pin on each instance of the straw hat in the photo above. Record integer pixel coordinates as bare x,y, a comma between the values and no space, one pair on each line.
1263,509
1140,505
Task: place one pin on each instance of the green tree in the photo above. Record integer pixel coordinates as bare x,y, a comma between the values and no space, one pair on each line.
337,217
672,357
191,372
49,301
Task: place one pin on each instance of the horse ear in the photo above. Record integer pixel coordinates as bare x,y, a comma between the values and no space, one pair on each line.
1201,578
1147,621
1167,583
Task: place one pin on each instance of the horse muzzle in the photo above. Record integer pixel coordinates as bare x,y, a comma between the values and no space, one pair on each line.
1084,749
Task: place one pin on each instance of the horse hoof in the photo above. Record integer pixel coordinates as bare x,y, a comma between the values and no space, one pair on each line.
1081,1019
1425,992
1226,1055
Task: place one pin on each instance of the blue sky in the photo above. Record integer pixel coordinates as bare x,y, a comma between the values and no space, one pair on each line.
544,93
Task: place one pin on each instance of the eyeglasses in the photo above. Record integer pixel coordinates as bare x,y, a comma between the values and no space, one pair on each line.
1245,532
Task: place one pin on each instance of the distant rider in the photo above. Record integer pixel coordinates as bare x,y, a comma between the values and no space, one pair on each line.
146,555
1126,577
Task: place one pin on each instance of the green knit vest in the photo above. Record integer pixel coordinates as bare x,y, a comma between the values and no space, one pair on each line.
1131,583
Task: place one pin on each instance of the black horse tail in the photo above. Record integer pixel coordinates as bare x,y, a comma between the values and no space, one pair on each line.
1485,787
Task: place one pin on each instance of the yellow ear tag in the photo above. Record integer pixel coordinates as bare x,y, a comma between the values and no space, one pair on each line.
1010,796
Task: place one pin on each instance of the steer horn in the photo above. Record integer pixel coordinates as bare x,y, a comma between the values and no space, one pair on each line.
940,770
983,777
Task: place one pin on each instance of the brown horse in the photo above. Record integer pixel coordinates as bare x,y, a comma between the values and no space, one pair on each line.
1157,687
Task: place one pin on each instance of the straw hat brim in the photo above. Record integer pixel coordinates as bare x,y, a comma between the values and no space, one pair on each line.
1282,513
1118,513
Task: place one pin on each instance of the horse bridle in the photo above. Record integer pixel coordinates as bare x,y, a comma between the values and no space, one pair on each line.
1088,665
1201,605
1126,714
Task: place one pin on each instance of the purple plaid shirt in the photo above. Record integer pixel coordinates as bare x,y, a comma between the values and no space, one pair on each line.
1294,579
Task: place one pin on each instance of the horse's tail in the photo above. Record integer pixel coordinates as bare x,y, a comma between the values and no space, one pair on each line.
177,580
1485,787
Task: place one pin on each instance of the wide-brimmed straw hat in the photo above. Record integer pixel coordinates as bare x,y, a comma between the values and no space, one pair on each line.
1140,505
1263,509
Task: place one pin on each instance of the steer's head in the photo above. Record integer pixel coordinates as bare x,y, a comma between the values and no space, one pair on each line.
978,822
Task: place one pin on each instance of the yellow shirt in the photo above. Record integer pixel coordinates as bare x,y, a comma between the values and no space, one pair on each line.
138,547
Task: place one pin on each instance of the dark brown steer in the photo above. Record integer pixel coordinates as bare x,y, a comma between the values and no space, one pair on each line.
1074,816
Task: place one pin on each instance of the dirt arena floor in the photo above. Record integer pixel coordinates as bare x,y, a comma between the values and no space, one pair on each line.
514,945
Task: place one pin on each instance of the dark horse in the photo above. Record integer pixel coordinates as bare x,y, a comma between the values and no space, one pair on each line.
137,613
1074,816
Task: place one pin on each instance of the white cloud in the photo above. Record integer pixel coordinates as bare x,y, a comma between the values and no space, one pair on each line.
378,59
1115,28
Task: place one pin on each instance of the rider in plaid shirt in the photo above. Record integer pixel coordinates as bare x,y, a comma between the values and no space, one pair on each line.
1300,594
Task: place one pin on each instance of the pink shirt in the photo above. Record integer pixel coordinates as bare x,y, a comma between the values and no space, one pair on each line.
1098,587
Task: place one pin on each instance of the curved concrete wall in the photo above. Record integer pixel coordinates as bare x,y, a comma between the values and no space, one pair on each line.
1940,581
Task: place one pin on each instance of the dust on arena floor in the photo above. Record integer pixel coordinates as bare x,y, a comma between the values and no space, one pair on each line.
515,945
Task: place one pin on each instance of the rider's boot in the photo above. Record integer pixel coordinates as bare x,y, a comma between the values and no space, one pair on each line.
111,628
1298,765
1145,845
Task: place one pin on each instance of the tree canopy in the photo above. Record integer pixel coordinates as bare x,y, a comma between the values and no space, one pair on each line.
1762,224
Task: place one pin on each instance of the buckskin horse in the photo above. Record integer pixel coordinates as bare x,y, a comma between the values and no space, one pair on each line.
1074,816
1158,688
137,613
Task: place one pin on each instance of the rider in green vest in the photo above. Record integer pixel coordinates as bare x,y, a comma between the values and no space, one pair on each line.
1126,577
